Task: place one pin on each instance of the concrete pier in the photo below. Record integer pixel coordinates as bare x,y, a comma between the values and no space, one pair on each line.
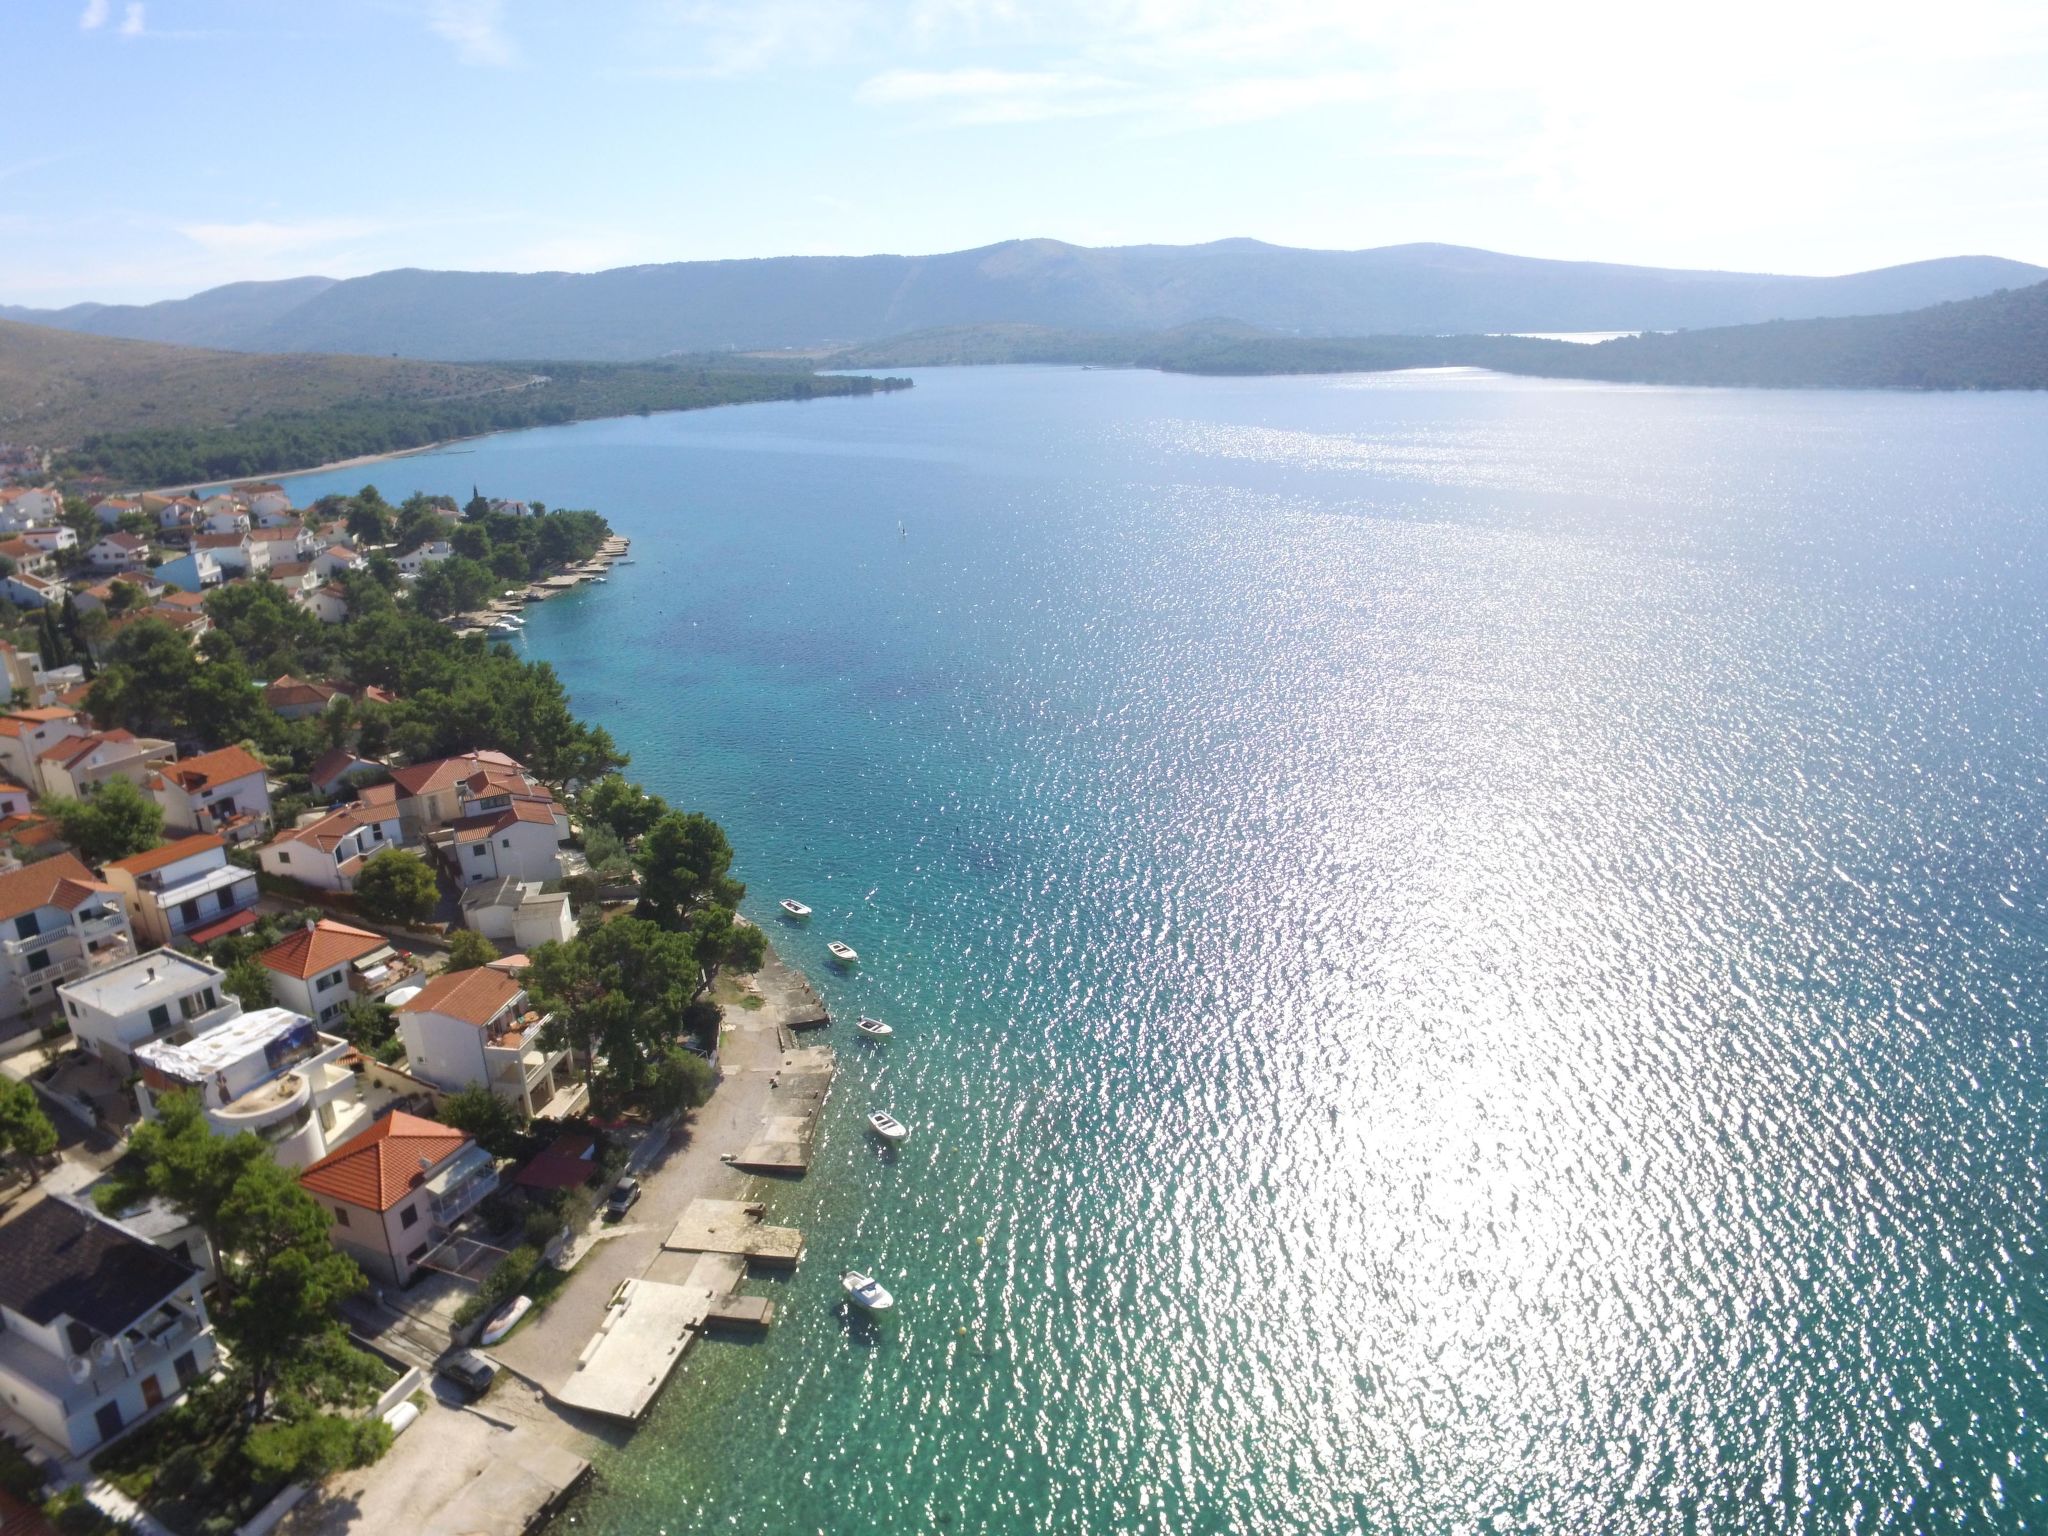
735,1227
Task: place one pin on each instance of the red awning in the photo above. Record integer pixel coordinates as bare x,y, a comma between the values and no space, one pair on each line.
223,928
568,1162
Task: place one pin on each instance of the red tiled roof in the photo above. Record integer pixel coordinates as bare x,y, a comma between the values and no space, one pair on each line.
59,881
423,778
210,770
379,1168
322,947
170,853
474,997
72,748
226,926
563,1164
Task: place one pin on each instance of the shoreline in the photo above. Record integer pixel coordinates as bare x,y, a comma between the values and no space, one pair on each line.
281,475
432,1479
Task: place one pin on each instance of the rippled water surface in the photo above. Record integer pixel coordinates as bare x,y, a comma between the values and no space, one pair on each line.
1466,953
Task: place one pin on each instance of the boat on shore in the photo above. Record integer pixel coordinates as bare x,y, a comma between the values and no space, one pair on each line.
888,1127
845,954
874,1029
866,1292
506,1320
795,909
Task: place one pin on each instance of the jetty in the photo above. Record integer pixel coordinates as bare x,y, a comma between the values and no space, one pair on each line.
735,1227
796,1098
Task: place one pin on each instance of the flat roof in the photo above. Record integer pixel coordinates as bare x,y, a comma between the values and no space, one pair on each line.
220,1048
160,976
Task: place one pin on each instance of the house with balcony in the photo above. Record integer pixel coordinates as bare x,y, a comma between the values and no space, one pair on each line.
25,734
185,892
269,503
432,794
56,923
520,841
24,506
269,1072
326,965
111,509
78,765
471,1028
194,571
162,995
517,915
395,1191
97,1325
117,552
227,792
328,849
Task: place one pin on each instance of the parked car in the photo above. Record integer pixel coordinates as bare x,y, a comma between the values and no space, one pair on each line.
470,1370
621,1199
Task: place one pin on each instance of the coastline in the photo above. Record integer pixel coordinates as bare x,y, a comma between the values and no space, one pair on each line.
281,475
512,1460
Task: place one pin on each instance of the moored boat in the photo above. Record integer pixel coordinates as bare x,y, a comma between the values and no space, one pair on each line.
507,1319
874,1029
845,954
887,1126
794,908
866,1292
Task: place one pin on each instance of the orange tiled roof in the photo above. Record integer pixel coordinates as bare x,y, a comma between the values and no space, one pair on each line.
475,997
322,947
170,853
60,881
423,778
210,770
379,1168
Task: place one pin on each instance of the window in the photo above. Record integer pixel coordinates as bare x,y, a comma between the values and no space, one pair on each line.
504,842
189,911
108,1420
27,926
159,1017
39,961
187,1367
331,979
211,1001
72,1007
479,851
341,1215
227,899
409,1217
284,858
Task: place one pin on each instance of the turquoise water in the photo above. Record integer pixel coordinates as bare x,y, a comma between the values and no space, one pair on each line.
1466,953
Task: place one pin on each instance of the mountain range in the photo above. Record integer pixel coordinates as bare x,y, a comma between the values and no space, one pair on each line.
827,302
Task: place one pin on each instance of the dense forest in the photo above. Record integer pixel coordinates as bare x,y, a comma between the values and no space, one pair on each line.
1999,341
272,444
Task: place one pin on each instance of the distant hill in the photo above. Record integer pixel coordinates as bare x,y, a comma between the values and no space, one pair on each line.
57,387
1998,341
817,301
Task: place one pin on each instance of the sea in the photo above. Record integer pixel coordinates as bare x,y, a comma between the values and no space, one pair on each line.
1466,953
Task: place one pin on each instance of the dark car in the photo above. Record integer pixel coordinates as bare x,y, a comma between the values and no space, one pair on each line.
470,1370
621,1199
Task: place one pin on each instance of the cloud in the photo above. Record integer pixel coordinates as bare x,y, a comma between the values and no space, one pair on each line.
94,16
264,240
476,28
131,19
976,95
699,39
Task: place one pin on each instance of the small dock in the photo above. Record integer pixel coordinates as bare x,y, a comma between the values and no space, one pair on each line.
735,1227
645,1330
789,1124
742,1314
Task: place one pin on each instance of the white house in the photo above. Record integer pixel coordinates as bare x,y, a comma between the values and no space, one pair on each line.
475,1027
395,1190
111,509
163,995
328,849
97,1325
324,966
56,923
266,500
186,891
412,562
23,506
26,591
522,841
52,539
328,604
225,791
117,552
336,559
231,552
270,1072
78,764
514,914
25,734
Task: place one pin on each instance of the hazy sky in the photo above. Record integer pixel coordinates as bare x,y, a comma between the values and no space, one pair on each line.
154,147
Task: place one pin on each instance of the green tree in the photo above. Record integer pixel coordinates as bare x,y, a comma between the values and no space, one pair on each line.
678,1080
369,1026
367,523
683,862
722,941
618,994
398,887
493,1121
468,951
249,980
25,1130
623,806
112,821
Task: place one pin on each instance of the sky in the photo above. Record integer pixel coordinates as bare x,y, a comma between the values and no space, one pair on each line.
153,148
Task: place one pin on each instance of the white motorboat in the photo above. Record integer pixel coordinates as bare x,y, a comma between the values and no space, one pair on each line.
794,908
845,954
866,1292
874,1029
887,1126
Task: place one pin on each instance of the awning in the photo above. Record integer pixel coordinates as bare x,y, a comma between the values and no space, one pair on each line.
221,929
